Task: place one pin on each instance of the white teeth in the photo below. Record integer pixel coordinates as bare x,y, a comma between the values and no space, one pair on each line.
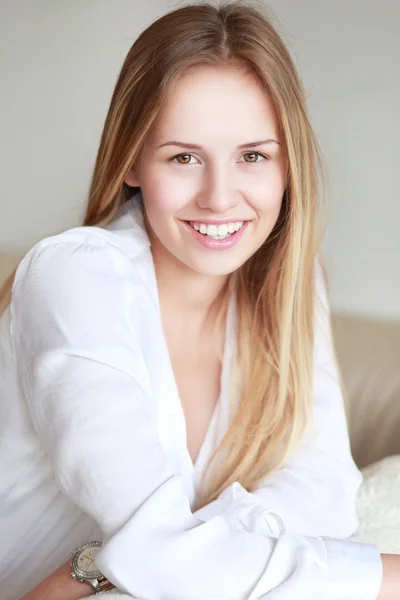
222,229
217,232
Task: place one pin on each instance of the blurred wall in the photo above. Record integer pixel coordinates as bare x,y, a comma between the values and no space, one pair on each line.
59,62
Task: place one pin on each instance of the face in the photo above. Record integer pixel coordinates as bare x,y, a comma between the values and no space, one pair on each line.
213,172
86,560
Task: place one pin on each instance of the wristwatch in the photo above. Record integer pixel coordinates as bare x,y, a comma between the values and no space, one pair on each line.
83,567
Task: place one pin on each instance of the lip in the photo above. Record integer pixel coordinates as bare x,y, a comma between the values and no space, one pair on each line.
215,221
208,242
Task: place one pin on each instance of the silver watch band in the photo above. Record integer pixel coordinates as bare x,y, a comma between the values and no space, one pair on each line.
104,585
100,585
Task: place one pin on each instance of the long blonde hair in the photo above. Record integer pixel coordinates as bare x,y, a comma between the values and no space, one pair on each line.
275,288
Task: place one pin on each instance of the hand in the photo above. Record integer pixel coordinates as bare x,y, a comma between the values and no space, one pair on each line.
60,586
391,577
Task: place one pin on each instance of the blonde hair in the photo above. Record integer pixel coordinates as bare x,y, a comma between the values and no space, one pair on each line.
275,288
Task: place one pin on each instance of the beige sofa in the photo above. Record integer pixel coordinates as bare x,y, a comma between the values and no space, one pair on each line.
369,355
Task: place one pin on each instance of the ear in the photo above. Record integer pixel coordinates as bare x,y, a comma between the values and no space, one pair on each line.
131,179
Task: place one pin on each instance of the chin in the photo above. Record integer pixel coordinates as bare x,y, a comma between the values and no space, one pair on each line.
214,267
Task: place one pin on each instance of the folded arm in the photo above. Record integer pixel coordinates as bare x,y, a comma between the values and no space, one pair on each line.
82,376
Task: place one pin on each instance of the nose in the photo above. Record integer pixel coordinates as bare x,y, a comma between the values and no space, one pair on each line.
218,194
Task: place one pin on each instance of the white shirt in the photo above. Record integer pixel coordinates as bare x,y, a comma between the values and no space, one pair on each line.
93,445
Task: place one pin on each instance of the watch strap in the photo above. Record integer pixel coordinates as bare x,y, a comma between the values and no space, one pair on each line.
104,585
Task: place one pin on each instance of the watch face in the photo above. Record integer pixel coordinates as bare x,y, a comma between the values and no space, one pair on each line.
84,561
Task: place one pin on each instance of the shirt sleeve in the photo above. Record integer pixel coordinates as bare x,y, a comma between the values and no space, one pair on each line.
314,493
82,376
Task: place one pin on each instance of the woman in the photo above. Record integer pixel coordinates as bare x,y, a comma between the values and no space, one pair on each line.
169,385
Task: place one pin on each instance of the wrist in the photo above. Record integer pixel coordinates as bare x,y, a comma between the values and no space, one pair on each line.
60,586
77,589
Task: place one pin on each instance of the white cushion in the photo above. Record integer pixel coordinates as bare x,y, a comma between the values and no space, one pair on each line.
378,506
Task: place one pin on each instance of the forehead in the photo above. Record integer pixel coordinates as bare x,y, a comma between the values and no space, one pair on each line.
214,103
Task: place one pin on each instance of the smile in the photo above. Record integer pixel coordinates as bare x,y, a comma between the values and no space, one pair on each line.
214,236
217,232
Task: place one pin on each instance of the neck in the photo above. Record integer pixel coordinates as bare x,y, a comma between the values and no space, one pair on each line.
198,297
183,291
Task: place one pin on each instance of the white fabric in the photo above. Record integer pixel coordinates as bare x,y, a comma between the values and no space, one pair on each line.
378,510
93,443
378,505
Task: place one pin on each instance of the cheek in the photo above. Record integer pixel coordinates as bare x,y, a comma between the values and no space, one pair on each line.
159,202
162,197
160,206
268,201
267,189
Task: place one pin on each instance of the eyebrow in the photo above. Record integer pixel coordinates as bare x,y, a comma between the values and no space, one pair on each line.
197,147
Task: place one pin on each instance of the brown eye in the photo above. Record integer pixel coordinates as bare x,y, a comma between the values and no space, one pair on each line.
185,162
254,154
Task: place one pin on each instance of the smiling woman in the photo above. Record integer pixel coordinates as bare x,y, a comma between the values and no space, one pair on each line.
217,183
169,385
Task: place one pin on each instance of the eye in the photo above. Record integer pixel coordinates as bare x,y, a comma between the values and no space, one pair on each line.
264,156
180,156
188,156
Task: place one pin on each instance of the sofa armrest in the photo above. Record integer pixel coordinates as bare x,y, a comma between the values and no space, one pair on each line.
368,352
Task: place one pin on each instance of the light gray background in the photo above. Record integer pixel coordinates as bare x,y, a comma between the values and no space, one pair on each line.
59,61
